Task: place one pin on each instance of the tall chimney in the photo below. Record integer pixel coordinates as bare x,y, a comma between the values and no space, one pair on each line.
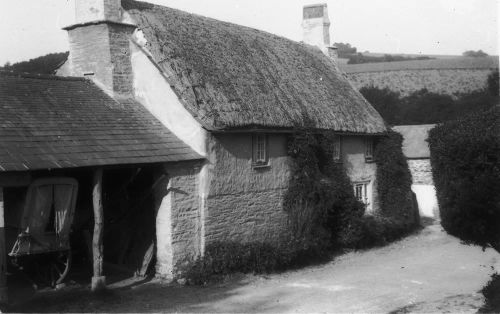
316,26
100,46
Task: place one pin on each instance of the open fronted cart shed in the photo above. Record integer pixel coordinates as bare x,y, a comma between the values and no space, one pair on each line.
53,127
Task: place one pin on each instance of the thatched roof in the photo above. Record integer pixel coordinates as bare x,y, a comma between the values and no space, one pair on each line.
49,122
230,76
415,144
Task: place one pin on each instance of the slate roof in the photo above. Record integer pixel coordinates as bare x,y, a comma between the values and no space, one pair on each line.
415,144
51,122
234,77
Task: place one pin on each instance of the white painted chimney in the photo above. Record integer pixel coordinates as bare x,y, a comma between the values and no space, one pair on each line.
97,10
316,26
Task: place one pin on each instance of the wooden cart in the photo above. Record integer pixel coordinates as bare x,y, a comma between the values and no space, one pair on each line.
43,239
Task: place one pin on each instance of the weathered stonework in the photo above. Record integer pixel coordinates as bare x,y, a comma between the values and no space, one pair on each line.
421,171
246,203
103,52
178,222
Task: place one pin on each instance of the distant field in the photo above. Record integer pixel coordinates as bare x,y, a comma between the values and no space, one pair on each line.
410,55
435,64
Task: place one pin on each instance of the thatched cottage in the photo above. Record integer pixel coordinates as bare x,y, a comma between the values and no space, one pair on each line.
231,95
417,153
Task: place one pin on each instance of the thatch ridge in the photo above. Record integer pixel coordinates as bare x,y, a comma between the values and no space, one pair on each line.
232,76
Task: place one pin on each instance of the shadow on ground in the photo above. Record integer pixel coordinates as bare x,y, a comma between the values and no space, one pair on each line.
150,296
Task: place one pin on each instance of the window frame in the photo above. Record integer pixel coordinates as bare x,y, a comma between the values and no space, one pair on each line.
369,149
337,149
367,193
257,144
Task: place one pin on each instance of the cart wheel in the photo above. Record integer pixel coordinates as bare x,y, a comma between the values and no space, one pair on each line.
59,267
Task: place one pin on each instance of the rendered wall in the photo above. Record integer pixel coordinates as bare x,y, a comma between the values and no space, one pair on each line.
88,57
246,204
443,81
97,10
153,91
178,222
358,170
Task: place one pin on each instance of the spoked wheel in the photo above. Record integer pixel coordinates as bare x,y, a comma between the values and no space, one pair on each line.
59,267
53,268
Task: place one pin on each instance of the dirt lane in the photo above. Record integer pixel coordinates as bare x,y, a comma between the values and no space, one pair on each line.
427,272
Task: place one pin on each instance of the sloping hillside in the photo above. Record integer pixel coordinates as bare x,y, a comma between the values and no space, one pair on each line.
451,76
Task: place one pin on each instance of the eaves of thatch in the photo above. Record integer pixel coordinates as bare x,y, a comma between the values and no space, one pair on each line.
233,77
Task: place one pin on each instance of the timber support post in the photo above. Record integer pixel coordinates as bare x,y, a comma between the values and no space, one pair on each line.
3,254
98,279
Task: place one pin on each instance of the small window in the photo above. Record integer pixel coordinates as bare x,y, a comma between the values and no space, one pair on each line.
362,192
369,150
260,154
337,149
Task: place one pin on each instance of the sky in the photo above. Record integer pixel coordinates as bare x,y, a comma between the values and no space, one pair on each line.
31,28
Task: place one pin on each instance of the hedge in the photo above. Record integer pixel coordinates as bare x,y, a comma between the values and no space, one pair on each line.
394,182
465,161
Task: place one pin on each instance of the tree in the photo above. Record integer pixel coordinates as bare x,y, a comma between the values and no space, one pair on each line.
475,54
493,86
385,101
47,64
344,50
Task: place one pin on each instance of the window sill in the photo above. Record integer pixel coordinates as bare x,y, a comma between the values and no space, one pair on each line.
261,166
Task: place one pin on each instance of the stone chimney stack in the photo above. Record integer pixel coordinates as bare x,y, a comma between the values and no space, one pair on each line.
100,46
316,26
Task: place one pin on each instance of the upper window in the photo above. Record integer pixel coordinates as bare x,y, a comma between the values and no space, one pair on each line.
369,149
337,149
260,154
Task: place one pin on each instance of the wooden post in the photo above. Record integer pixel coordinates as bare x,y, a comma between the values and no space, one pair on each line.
3,254
98,280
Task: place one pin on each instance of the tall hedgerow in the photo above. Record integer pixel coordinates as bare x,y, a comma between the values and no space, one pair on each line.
465,159
394,181
320,200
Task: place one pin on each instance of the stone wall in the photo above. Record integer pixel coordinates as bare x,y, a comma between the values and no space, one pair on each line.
104,51
88,57
246,203
443,81
178,222
421,171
